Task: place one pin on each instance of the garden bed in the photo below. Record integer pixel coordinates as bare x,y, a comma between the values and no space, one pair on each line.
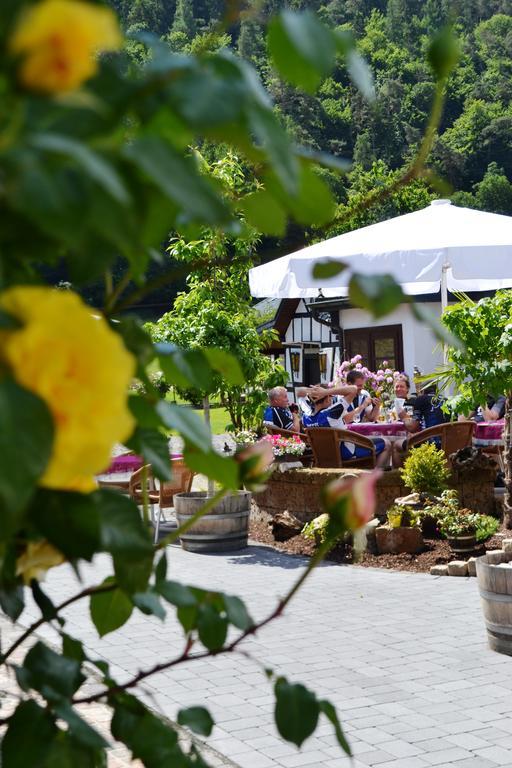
437,551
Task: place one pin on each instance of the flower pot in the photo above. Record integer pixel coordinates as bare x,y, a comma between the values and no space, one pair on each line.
462,545
495,585
223,529
287,457
394,541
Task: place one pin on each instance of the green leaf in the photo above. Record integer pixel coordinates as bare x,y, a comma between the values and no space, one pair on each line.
314,203
330,268
50,673
302,48
177,594
224,470
133,573
82,731
136,339
296,712
29,736
226,364
161,570
12,600
144,412
148,603
155,448
43,602
72,648
330,712
198,719
177,177
96,167
212,627
26,439
110,610
122,530
237,612
187,617
444,53
185,368
185,421
151,740
274,140
264,213
70,521
67,752
379,294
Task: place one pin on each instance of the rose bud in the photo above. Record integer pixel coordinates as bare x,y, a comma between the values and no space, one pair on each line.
255,461
350,502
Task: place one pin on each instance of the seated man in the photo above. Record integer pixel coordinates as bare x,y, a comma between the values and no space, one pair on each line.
373,405
427,412
278,412
493,410
328,414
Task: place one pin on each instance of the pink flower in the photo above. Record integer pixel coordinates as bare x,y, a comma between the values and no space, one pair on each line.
350,502
380,372
255,461
380,377
385,363
389,379
358,366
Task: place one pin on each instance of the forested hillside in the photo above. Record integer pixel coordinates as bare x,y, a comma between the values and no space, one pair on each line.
472,155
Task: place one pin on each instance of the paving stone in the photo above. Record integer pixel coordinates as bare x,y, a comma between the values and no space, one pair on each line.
457,568
439,570
497,755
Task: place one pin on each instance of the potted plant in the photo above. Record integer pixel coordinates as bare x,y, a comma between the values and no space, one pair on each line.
460,529
426,471
286,448
402,532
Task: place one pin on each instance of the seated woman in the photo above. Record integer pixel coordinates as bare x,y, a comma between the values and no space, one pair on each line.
327,413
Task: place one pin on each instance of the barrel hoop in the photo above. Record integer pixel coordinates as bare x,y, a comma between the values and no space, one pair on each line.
187,536
498,629
495,597
231,516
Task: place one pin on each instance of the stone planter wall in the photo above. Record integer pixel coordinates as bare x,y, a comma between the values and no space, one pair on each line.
298,491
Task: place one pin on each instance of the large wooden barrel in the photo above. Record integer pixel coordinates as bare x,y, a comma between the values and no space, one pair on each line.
223,529
495,584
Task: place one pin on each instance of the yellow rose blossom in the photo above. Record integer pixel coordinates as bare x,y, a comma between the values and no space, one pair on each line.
38,558
57,41
73,361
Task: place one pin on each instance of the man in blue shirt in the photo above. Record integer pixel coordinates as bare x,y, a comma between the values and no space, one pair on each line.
278,413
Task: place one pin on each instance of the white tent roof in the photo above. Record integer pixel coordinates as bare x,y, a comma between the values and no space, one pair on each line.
412,248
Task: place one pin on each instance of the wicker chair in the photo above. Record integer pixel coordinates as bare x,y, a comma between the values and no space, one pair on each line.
453,436
162,495
285,432
326,445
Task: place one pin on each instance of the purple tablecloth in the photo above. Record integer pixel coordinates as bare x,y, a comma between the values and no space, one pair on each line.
129,462
489,433
380,429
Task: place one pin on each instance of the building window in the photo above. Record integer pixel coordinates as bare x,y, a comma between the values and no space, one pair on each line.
376,345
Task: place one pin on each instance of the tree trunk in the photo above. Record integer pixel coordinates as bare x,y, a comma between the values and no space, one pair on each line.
206,409
507,461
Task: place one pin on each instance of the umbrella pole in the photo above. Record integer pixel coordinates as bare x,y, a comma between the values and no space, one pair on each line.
444,300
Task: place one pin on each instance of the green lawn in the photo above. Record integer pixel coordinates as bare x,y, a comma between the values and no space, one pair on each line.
219,419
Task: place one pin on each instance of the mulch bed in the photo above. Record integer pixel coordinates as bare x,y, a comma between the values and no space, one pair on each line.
437,551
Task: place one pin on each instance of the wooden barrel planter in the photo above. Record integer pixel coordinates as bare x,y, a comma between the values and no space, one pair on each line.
495,584
463,545
223,529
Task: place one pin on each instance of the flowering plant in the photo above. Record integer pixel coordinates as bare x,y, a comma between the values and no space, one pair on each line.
245,437
281,446
380,383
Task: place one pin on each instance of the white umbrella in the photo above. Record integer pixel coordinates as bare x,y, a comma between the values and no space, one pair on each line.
440,247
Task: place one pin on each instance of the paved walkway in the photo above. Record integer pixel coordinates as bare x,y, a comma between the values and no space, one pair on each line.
402,656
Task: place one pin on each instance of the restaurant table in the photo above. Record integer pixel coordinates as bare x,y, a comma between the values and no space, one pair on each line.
488,433
129,462
392,430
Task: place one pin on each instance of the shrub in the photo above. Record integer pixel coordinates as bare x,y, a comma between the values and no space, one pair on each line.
401,516
426,470
317,528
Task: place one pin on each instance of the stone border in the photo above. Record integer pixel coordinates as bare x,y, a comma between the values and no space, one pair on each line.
468,567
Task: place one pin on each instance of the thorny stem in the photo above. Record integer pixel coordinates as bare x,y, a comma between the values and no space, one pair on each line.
33,627
185,655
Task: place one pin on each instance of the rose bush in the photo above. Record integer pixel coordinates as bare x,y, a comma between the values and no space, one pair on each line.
97,171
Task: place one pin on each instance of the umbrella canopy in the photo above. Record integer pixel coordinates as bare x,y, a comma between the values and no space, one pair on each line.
467,250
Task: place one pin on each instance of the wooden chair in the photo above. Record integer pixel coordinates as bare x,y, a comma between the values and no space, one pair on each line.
453,436
285,432
326,445
162,495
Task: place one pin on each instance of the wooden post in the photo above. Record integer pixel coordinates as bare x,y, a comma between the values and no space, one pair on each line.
206,409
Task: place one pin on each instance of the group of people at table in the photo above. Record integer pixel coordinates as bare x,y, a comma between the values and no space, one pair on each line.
349,403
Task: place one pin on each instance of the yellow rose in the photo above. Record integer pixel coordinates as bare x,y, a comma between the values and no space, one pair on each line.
73,361
38,558
58,40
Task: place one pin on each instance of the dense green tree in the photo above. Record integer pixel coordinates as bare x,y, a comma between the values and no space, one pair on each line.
184,21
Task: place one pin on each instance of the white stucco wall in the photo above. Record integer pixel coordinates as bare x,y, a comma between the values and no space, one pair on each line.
419,345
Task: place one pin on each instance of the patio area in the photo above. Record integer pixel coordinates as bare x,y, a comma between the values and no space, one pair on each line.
403,657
